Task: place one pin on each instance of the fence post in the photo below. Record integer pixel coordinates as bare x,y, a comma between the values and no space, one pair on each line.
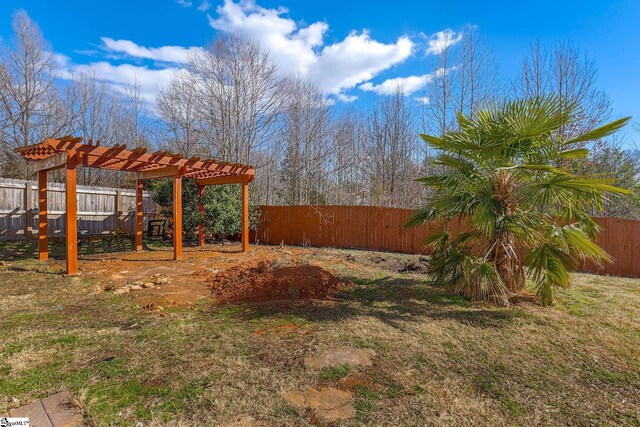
118,229
28,211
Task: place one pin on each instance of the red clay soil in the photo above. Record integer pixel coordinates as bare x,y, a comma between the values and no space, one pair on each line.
269,281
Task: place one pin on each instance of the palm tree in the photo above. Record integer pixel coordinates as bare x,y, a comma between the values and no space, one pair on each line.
505,192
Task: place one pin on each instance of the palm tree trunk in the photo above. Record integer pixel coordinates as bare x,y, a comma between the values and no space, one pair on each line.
508,264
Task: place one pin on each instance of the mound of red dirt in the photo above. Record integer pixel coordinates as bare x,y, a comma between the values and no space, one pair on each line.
270,281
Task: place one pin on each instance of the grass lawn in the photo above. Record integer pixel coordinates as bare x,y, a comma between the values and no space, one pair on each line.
441,360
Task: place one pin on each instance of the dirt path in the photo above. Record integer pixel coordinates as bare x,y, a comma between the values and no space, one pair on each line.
186,282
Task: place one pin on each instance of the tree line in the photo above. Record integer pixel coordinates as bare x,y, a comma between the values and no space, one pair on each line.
233,103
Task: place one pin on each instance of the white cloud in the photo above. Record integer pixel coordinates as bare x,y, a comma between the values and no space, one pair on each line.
300,49
441,40
296,48
120,76
204,6
346,98
424,100
407,85
357,59
177,54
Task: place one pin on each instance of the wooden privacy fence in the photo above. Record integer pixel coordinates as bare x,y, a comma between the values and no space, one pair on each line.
380,229
101,211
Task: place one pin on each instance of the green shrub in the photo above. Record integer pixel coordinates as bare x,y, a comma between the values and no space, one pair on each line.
222,207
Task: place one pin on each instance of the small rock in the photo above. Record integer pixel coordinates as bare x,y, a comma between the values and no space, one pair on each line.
122,290
350,258
410,266
135,287
138,283
341,356
148,285
161,280
328,402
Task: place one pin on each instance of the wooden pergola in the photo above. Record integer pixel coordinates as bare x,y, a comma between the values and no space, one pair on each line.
69,152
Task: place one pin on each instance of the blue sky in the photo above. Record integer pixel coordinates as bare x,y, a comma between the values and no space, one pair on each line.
347,47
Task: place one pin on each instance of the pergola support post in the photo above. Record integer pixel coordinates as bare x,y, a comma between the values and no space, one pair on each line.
139,214
28,211
201,238
71,218
177,216
245,216
43,237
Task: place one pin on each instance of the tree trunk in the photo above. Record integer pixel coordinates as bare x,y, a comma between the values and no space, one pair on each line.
508,264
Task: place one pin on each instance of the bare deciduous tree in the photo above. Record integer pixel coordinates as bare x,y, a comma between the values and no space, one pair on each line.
238,94
568,72
30,105
304,132
464,78
391,139
177,109
102,117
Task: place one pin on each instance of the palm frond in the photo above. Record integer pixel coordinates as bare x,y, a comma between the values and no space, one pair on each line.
431,181
434,141
581,246
537,168
420,217
549,267
569,215
531,117
576,153
600,132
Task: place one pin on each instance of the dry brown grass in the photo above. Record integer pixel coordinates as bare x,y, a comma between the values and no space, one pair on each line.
442,361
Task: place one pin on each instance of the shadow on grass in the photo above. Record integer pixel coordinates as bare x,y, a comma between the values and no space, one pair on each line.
28,249
391,300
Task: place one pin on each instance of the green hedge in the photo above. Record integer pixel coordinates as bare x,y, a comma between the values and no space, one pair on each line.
222,205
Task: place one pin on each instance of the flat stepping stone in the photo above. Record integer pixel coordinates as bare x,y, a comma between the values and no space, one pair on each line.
56,410
328,403
341,356
35,412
